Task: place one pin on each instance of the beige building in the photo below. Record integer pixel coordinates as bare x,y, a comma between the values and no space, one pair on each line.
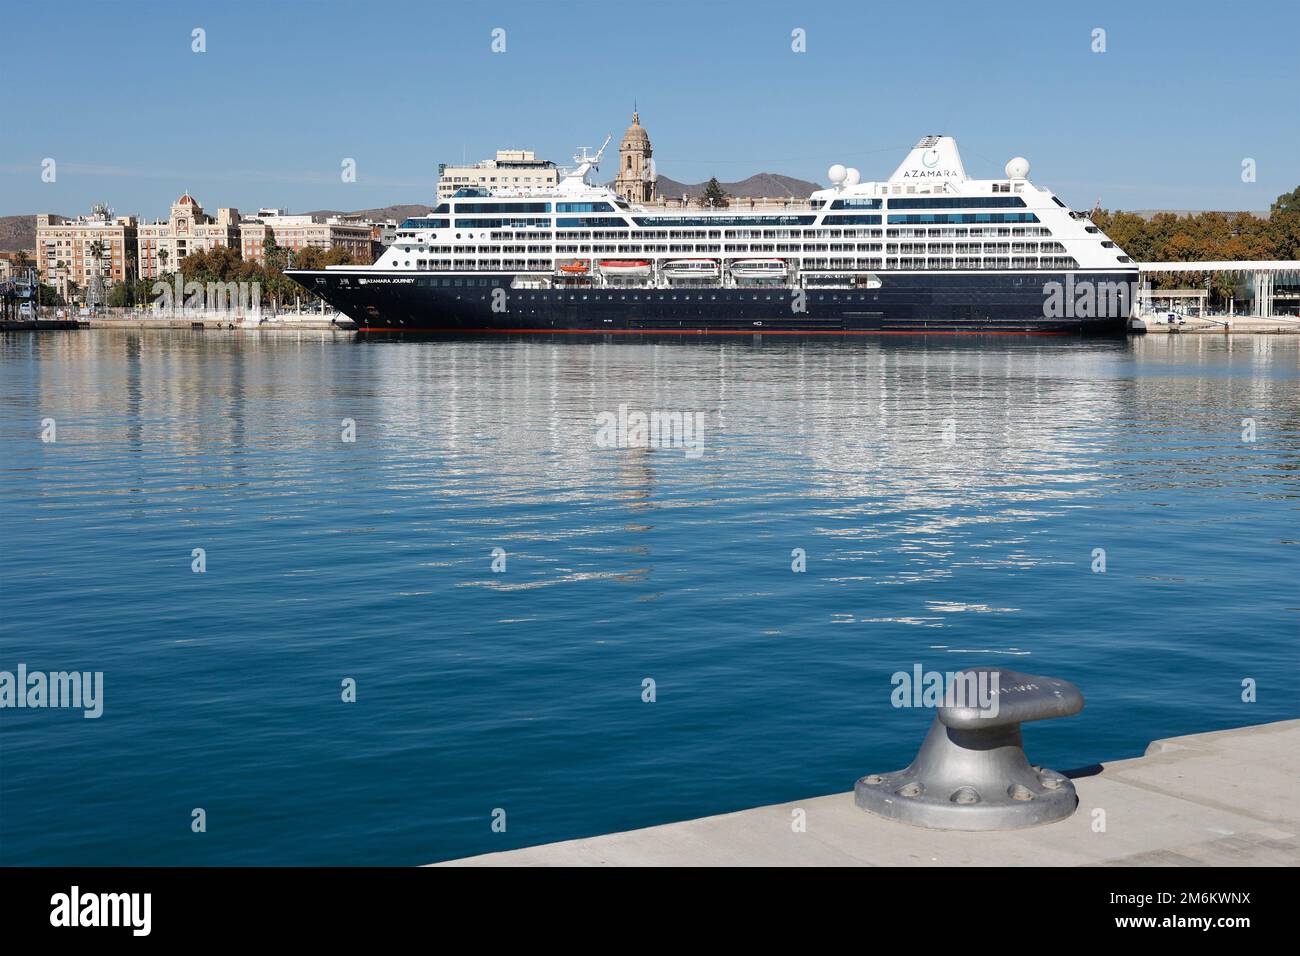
9,263
512,169
162,245
64,249
636,180
300,232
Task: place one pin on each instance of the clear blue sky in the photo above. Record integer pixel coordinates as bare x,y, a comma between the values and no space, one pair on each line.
286,90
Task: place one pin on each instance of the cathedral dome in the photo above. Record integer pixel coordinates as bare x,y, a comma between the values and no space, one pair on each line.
636,137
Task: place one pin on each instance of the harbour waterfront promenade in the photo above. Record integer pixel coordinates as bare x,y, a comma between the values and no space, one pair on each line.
289,321
1216,799
284,321
1232,324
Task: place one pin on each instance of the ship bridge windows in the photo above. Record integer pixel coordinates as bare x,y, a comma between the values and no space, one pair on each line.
960,217
535,223
515,208
866,220
856,204
427,223
958,202
583,207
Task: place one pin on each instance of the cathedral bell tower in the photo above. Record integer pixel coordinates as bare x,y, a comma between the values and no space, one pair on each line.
636,179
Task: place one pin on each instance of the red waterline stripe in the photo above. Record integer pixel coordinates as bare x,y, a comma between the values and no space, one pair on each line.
724,331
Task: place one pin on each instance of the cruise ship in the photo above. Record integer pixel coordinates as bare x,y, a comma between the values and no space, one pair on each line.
929,250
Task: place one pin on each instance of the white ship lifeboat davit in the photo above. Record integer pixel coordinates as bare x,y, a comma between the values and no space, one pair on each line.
691,269
758,268
625,267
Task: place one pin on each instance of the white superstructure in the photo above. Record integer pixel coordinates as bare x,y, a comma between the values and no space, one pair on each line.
929,216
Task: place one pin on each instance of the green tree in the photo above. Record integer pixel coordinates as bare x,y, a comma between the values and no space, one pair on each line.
309,257
218,264
338,256
46,294
1284,221
121,295
276,286
714,196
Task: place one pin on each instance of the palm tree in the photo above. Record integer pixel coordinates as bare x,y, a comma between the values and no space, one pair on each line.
96,287
132,273
162,261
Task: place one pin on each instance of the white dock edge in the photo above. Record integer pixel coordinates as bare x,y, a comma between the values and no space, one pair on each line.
1230,798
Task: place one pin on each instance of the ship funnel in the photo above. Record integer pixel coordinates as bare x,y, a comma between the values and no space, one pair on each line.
933,158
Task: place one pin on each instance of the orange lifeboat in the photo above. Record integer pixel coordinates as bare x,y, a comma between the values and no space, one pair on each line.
575,268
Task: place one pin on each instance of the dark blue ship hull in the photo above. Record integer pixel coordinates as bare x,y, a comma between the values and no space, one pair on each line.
932,302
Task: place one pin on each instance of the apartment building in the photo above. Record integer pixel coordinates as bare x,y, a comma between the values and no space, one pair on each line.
65,249
512,169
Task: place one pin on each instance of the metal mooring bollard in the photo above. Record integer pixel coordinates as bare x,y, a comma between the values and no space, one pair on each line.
971,773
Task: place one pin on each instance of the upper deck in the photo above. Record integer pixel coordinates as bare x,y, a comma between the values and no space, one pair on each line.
929,215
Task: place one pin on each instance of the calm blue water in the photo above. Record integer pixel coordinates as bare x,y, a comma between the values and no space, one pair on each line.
522,690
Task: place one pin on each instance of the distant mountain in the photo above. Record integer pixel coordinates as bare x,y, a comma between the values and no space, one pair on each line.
17,232
398,212
762,185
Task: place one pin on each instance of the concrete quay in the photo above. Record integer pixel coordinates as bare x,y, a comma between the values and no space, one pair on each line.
37,325
1221,324
1227,798
293,322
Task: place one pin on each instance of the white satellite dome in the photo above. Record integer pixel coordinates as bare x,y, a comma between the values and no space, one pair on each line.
852,177
1018,168
836,174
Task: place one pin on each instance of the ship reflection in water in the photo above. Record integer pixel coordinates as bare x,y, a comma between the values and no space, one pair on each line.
948,497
